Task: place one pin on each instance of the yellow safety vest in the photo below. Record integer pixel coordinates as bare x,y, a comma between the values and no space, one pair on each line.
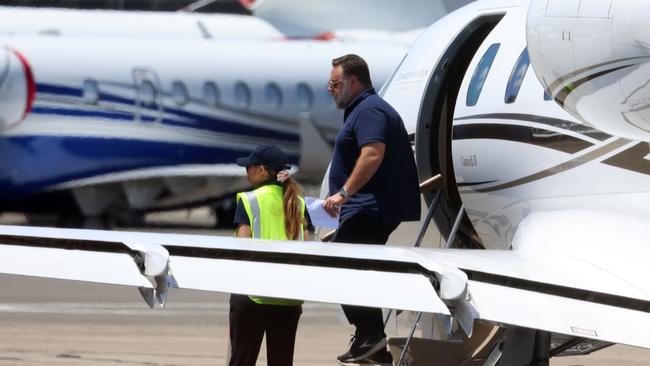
265,211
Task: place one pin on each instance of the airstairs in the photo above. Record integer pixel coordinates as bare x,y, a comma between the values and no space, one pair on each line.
441,341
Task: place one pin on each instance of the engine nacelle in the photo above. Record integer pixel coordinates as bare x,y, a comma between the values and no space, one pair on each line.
592,56
17,87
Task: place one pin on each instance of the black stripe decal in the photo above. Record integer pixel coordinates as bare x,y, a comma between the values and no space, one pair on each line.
556,83
560,168
300,259
554,122
228,254
564,93
73,244
68,244
562,291
467,184
632,159
524,134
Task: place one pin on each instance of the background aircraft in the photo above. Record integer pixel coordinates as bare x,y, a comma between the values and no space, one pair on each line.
563,205
297,18
112,23
155,124
110,189
222,6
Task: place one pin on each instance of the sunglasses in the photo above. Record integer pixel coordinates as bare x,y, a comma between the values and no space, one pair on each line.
333,83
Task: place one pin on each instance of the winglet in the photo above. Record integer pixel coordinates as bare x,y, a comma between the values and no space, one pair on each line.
153,262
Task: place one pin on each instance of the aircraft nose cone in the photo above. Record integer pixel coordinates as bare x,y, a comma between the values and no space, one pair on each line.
17,87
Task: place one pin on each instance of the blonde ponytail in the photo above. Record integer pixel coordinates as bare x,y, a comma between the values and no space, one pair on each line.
293,218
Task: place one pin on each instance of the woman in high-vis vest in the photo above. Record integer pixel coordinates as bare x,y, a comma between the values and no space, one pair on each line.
273,210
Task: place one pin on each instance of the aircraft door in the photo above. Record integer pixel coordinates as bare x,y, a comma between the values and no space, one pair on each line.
148,100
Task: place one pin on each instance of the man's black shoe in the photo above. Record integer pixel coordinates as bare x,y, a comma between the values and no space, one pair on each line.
361,348
379,358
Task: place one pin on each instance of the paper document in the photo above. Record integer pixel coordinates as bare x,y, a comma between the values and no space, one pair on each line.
320,217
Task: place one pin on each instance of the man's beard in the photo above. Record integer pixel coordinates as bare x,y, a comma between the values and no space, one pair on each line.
343,100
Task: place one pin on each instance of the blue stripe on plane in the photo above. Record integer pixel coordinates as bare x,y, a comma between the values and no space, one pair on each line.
194,120
38,162
82,113
58,89
115,99
218,125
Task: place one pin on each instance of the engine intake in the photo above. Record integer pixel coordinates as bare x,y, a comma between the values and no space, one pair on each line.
592,57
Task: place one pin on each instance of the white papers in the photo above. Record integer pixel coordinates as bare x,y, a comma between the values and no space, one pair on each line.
320,217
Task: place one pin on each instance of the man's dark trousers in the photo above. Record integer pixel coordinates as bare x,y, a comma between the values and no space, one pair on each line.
362,228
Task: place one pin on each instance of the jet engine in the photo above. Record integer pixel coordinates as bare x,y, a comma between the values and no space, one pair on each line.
592,57
17,87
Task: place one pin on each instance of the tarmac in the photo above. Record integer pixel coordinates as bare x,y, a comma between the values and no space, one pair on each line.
55,322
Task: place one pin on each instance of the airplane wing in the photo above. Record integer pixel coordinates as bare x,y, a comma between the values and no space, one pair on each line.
298,270
544,290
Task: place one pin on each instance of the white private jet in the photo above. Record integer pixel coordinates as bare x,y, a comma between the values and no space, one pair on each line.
378,25
295,17
561,207
113,23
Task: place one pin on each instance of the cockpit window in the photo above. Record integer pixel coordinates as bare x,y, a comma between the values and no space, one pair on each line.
517,77
480,74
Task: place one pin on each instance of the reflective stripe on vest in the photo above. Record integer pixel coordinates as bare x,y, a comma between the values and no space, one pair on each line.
265,211
255,214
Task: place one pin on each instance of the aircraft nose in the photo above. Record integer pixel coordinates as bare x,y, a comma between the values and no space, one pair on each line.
17,87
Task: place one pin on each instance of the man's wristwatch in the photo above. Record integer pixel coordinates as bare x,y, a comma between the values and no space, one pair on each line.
344,193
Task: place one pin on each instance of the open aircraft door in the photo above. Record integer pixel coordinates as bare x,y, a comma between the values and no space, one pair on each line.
148,101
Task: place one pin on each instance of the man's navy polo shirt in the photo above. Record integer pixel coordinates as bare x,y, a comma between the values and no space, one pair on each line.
393,192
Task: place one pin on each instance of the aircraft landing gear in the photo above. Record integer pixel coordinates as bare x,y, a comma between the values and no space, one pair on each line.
224,210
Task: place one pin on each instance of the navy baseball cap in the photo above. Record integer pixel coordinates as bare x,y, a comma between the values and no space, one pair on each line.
268,155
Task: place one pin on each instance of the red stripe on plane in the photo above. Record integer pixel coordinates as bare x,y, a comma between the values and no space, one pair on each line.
31,83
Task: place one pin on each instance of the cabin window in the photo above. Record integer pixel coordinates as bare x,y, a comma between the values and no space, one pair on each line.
517,77
147,93
211,93
273,96
328,98
242,95
547,96
305,97
480,74
179,93
91,91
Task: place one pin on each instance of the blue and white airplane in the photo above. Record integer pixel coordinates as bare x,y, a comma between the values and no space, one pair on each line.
182,78
148,124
